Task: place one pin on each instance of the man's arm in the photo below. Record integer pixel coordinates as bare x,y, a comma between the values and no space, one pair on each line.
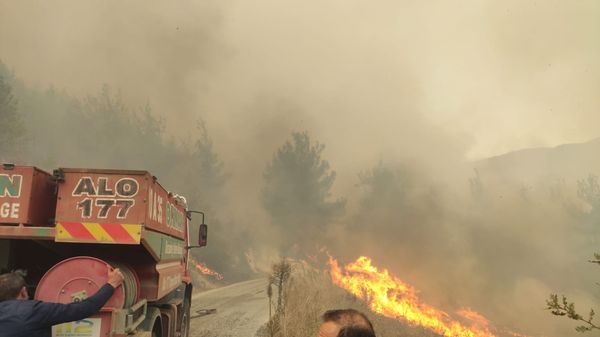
49,314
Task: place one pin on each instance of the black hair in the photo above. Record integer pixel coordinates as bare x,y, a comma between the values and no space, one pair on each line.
348,318
11,285
356,331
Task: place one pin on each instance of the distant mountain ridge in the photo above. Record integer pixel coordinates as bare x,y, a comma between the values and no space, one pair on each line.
567,161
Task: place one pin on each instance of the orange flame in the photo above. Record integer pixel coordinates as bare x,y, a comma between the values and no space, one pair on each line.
516,334
474,317
391,297
202,268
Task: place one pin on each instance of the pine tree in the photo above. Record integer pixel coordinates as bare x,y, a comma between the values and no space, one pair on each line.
12,130
297,190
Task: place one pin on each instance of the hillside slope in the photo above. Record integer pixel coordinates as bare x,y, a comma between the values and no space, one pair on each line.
568,161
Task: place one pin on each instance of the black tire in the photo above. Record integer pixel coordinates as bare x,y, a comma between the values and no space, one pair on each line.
157,329
185,318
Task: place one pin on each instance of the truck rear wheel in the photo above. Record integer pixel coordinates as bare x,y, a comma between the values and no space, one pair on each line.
157,329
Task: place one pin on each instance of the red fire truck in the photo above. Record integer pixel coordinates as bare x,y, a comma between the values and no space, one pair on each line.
67,228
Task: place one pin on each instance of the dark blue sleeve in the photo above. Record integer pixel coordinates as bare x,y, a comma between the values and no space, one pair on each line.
48,314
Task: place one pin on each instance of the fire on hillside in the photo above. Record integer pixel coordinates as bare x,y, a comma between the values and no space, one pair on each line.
203,269
391,297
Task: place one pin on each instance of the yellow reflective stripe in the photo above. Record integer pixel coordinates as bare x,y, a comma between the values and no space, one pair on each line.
98,232
62,233
134,230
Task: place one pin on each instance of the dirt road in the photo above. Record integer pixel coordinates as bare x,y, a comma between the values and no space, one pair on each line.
241,309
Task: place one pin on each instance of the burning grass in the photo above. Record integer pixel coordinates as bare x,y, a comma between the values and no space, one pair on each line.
204,278
309,293
392,305
205,270
389,296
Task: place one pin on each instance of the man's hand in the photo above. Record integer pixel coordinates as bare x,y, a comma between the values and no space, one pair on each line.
115,278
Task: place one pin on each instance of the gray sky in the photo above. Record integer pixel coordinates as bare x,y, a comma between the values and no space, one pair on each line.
368,77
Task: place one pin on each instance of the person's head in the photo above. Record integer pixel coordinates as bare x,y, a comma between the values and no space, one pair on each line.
12,287
355,331
336,320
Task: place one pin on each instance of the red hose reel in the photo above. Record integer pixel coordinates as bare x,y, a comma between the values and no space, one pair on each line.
77,278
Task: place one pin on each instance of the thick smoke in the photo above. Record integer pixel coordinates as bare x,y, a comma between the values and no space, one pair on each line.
402,93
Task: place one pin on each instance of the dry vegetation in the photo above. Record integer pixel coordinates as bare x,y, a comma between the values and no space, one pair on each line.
309,293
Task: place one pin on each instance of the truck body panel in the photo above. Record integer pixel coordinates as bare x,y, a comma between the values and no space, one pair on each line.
26,196
109,197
